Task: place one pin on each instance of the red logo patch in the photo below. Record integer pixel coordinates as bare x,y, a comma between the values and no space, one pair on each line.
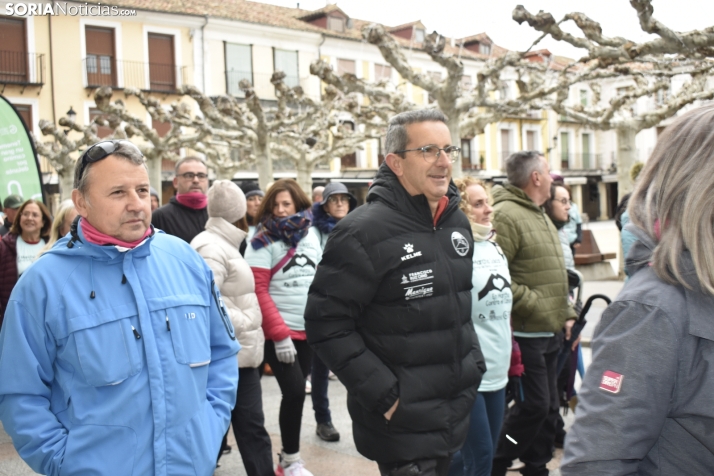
611,381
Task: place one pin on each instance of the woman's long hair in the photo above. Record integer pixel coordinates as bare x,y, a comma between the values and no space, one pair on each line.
673,201
462,184
64,208
301,201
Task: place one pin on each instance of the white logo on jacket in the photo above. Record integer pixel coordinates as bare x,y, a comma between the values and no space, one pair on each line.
409,248
461,244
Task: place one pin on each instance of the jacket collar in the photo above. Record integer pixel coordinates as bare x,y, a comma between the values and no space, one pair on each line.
511,193
75,244
387,189
699,304
229,232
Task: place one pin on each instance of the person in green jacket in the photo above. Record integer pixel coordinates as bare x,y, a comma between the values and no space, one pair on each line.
540,313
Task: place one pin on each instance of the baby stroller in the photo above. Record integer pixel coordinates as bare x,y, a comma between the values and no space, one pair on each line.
569,360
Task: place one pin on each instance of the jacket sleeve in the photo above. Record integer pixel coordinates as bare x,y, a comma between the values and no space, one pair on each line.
345,283
27,355
260,261
613,432
240,320
274,326
508,237
222,383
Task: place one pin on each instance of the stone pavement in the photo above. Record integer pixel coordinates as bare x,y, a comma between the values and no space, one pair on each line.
341,458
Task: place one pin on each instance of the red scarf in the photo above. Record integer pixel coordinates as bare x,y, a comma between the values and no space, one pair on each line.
98,238
195,200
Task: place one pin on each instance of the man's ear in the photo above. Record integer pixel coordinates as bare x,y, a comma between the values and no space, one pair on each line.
80,203
175,182
395,163
535,178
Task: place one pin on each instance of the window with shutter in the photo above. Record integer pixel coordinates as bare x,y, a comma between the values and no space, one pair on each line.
162,68
239,66
100,62
287,62
13,51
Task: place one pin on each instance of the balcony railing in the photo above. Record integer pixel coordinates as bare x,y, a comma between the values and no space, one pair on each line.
22,68
107,71
473,161
581,161
264,89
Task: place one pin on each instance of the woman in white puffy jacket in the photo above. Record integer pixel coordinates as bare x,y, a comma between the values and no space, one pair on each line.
226,229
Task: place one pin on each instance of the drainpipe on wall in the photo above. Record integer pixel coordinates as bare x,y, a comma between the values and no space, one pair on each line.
203,53
52,71
319,57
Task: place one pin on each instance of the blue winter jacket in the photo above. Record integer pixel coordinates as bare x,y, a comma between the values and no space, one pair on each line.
117,363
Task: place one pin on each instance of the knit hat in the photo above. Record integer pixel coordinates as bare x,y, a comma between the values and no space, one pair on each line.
154,192
337,188
251,189
12,201
226,200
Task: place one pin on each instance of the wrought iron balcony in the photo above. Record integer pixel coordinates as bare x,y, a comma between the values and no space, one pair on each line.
27,69
107,71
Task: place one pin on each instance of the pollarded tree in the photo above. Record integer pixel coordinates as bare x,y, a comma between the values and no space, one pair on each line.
305,131
469,111
62,152
648,67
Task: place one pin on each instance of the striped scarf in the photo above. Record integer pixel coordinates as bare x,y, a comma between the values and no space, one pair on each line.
290,229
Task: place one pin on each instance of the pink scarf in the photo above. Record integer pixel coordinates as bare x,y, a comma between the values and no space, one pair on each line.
98,238
195,200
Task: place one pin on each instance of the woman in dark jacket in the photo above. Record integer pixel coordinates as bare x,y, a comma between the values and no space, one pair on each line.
645,407
336,203
22,245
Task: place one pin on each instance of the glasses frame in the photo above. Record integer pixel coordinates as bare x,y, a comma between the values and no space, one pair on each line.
195,175
564,201
338,198
90,156
450,153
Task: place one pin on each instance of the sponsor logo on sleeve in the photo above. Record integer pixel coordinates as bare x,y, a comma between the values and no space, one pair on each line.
461,244
611,381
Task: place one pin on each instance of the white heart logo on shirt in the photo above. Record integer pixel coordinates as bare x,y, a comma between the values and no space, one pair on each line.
301,261
498,283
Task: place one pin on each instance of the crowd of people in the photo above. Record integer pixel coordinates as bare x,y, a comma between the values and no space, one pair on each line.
135,335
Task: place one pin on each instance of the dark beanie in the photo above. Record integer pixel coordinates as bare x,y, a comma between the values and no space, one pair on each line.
251,189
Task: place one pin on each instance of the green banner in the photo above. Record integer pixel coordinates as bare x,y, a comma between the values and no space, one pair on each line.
19,170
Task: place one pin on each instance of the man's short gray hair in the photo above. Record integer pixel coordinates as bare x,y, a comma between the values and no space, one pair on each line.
124,151
520,166
190,158
397,132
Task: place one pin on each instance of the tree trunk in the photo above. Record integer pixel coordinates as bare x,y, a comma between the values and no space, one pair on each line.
264,164
455,130
154,166
304,174
626,149
66,183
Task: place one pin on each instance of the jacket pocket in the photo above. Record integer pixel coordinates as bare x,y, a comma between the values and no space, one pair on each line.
205,432
96,449
190,332
107,347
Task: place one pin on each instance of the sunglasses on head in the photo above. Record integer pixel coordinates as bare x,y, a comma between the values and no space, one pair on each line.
102,150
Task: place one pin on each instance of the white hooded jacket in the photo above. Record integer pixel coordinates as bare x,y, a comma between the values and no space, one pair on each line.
218,245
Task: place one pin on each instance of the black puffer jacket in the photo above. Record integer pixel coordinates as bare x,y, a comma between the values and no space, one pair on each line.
389,311
179,220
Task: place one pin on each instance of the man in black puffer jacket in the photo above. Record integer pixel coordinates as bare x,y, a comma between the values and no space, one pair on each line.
389,310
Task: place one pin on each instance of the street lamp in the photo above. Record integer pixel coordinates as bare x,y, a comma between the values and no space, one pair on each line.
71,115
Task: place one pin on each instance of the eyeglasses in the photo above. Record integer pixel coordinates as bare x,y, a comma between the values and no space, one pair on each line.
191,176
564,201
432,153
102,150
338,199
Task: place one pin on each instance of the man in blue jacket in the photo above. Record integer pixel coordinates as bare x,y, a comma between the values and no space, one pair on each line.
116,356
